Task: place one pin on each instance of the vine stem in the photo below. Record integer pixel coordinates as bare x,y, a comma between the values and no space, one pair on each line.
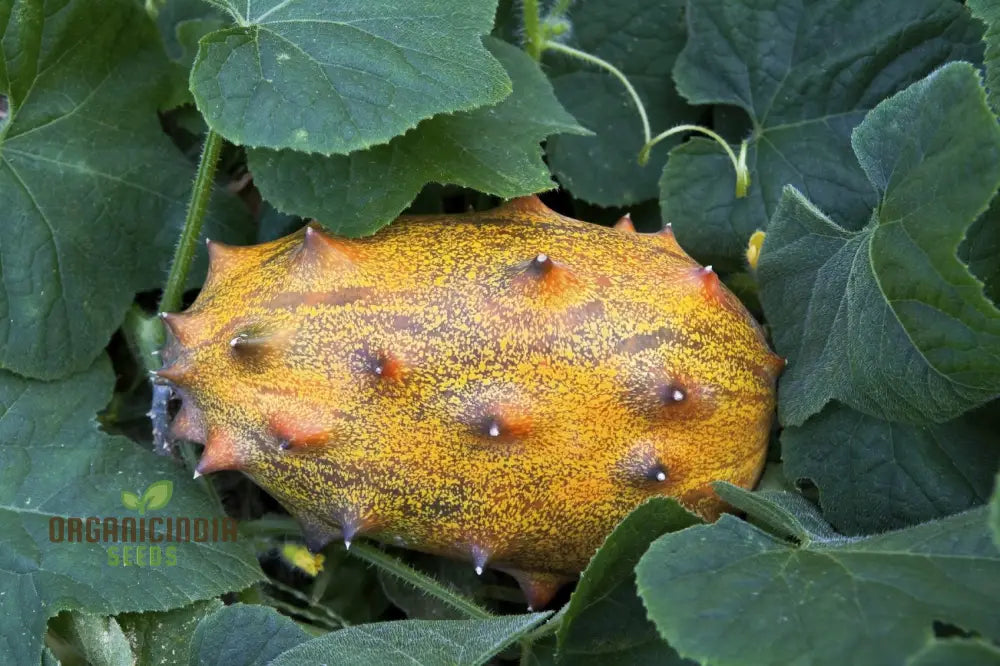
188,243
739,163
604,64
534,39
408,574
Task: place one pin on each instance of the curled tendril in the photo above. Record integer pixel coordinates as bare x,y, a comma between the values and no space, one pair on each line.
739,162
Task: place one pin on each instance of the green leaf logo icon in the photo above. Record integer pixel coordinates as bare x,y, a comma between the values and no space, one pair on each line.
130,500
155,497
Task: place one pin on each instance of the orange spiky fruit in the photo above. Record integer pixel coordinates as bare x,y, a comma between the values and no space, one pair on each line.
502,386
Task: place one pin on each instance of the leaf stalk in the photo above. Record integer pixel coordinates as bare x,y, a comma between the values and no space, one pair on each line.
187,245
534,39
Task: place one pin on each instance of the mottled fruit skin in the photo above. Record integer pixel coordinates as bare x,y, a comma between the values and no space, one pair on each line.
502,387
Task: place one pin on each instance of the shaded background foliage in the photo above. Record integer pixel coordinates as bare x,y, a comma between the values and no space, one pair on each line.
873,149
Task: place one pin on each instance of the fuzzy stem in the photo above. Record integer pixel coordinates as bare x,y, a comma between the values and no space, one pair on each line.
604,64
422,582
739,163
188,243
534,39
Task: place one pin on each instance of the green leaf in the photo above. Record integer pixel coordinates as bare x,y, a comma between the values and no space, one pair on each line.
494,150
642,40
412,642
605,622
158,494
805,73
784,514
96,638
94,193
729,593
56,464
335,77
886,319
981,250
874,475
242,635
988,11
957,652
130,500
164,638
181,24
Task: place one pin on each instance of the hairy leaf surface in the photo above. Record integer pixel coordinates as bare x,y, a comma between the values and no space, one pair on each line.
886,319
334,76
874,475
494,150
244,635
715,590
414,642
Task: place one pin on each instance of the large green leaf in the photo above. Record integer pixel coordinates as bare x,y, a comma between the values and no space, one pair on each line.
242,635
730,593
605,622
641,39
93,192
331,77
988,11
413,642
886,319
805,73
55,463
874,475
494,150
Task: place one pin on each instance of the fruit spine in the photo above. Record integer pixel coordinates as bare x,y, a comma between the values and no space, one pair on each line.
502,386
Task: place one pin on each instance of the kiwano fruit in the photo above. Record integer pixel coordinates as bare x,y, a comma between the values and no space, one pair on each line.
502,386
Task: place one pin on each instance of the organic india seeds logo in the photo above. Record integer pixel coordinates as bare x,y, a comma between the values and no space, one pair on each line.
142,540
